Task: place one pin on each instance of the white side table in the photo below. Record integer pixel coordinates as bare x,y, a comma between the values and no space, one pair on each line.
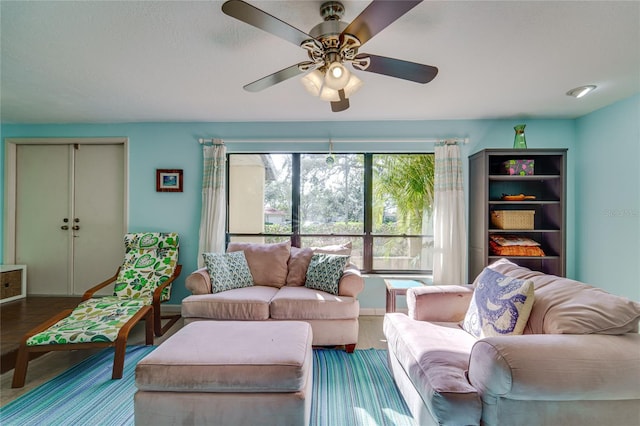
13,284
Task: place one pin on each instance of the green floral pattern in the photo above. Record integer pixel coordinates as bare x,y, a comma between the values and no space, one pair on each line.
91,321
150,260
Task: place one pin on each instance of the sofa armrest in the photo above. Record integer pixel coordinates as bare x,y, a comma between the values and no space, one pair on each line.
199,282
439,303
557,367
351,283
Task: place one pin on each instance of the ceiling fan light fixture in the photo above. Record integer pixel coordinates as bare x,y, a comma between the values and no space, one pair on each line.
353,85
313,82
328,94
581,91
337,76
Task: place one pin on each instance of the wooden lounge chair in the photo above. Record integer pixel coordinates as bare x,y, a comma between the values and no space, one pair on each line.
141,284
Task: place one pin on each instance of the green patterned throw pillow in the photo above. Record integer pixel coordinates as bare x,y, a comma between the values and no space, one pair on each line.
228,270
324,272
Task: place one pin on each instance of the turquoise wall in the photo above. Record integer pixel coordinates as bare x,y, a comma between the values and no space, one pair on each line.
174,145
608,198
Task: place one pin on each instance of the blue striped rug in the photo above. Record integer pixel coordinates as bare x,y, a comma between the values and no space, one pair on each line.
348,389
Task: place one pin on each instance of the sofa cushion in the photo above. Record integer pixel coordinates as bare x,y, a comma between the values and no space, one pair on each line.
324,272
500,305
302,303
267,262
249,303
227,271
565,306
435,357
298,263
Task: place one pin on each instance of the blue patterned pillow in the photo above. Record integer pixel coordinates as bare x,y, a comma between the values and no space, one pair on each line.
228,271
324,272
500,305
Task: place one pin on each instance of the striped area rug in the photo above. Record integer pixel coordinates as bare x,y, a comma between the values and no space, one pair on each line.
355,389
348,389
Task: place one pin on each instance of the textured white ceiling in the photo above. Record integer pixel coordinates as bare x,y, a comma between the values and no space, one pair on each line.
135,61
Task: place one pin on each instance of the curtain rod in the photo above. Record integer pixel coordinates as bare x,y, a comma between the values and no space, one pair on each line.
214,141
447,141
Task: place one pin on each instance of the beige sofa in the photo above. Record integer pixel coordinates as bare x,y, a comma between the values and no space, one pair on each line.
577,363
279,293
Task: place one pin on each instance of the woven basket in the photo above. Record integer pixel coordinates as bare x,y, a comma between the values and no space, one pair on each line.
512,219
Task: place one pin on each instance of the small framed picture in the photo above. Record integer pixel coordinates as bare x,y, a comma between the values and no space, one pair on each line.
168,180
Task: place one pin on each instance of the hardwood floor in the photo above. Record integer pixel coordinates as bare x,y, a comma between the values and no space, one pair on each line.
22,315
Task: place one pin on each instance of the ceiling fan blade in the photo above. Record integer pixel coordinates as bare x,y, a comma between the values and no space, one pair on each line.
275,78
377,16
342,104
260,19
400,69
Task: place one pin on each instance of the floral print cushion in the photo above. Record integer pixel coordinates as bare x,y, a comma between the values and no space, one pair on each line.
94,320
150,260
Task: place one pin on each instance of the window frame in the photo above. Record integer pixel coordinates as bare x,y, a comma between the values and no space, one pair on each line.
367,236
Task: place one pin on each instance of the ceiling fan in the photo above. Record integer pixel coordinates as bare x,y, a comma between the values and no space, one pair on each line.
331,44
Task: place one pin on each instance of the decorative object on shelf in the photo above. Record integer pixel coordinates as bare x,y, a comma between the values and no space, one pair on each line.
519,167
520,141
514,245
518,197
512,219
168,180
518,251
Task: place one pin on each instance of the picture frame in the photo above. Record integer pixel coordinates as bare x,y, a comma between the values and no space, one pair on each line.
169,180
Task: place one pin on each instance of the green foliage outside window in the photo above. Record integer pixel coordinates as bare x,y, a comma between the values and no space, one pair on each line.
332,205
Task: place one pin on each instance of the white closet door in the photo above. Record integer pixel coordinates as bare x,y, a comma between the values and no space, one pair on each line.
98,214
84,185
42,203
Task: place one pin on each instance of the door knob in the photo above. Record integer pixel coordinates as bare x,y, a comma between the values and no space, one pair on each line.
64,227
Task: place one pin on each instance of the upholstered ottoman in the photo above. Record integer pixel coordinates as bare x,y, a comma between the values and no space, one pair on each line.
228,373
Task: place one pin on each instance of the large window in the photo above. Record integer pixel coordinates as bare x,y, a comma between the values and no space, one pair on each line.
381,203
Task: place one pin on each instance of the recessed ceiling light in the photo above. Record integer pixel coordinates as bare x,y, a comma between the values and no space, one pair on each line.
581,91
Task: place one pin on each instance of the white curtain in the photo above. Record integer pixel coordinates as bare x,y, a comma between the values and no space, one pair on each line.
450,231
212,219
